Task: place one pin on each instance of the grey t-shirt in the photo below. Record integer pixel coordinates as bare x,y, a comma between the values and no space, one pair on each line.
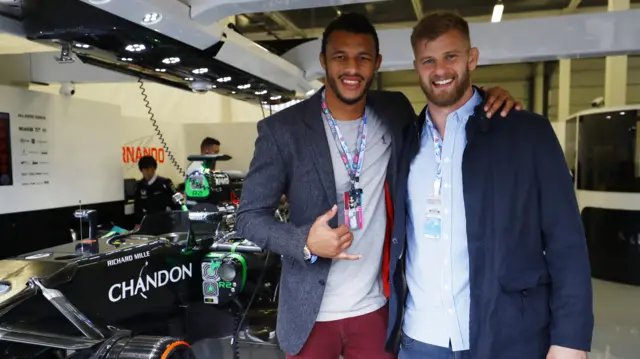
355,288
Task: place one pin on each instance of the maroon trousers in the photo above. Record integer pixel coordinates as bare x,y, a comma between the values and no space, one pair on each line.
360,337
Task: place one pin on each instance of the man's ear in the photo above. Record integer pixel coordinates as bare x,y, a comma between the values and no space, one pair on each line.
474,54
378,62
323,61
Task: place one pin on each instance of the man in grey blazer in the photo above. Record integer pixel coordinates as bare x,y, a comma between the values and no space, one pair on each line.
335,157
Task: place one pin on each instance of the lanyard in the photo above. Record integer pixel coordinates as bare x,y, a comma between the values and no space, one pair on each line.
437,150
353,165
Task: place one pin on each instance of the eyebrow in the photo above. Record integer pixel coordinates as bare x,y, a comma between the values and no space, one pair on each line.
336,52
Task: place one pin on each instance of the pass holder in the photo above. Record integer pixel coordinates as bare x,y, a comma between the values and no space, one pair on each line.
433,218
353,216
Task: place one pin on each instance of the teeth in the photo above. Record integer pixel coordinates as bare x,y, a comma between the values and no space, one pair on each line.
443,82
351,82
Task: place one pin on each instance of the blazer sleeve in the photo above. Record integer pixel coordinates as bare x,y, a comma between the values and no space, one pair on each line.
571,301
263,187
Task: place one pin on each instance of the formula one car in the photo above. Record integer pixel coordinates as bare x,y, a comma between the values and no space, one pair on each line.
180,277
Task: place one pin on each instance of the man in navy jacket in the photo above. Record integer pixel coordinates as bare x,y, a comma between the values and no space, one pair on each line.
488,256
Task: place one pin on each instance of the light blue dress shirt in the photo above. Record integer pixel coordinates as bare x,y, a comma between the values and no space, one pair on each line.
437,309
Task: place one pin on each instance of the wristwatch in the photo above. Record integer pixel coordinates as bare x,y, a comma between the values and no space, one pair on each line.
308,256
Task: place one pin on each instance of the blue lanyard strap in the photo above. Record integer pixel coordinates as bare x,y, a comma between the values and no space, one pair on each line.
437,150
353,165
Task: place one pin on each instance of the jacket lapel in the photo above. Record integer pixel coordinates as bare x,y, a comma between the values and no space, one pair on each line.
319,146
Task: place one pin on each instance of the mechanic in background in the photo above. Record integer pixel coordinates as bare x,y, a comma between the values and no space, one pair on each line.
208,146
153,192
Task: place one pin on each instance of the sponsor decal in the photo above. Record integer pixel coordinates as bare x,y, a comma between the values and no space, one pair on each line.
144,284
128,258
131,154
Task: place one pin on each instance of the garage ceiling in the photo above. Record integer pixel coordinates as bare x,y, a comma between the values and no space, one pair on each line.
308,23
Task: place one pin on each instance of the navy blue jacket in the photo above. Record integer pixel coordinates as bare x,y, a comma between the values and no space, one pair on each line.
530,278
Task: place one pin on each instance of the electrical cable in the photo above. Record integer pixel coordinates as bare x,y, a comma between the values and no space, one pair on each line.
157,129
234,341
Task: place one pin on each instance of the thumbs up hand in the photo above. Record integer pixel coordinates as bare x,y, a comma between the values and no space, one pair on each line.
327,242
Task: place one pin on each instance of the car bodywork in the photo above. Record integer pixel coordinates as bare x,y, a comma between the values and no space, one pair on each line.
182,275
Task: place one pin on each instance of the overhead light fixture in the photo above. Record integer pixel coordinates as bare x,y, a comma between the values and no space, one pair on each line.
622,113
276,97
244,87
171,60
127,59
161,70
188,78
608,117
233,92
200,70
81,46
262,92
224,79
497,12
135,47
98,2
151,18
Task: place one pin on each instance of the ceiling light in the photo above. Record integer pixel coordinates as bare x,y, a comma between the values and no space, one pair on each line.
171,60
126,59
622,113
201,70
233,92
276,97
81,46
189,78
261,92
224,79
608,117
151,18
135,48
264,102
161,70
98,2
244,87
497,12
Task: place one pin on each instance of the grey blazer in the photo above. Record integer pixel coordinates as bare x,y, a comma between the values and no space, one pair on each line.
292,157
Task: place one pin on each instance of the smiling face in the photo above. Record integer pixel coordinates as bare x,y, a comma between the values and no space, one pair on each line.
444,66
350,63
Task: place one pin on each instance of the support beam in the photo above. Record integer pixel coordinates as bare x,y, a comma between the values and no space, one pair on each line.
208,12
564,89
573,5
560,37
282,20
616,68
417,8
538,87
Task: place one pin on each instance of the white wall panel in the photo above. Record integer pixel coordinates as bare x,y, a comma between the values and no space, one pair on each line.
63,151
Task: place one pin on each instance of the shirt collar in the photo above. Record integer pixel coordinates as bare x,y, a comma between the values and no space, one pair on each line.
153,179
464,112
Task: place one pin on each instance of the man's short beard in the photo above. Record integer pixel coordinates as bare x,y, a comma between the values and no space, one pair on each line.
348,101
459,92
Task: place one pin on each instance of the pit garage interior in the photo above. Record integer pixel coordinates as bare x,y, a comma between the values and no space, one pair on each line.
88,87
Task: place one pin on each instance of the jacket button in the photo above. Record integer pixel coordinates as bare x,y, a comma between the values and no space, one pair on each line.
394,240
322,282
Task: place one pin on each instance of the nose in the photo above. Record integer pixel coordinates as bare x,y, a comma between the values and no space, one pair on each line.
440,69
351,66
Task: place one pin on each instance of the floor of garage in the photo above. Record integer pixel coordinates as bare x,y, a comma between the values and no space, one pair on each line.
616,334
617,316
